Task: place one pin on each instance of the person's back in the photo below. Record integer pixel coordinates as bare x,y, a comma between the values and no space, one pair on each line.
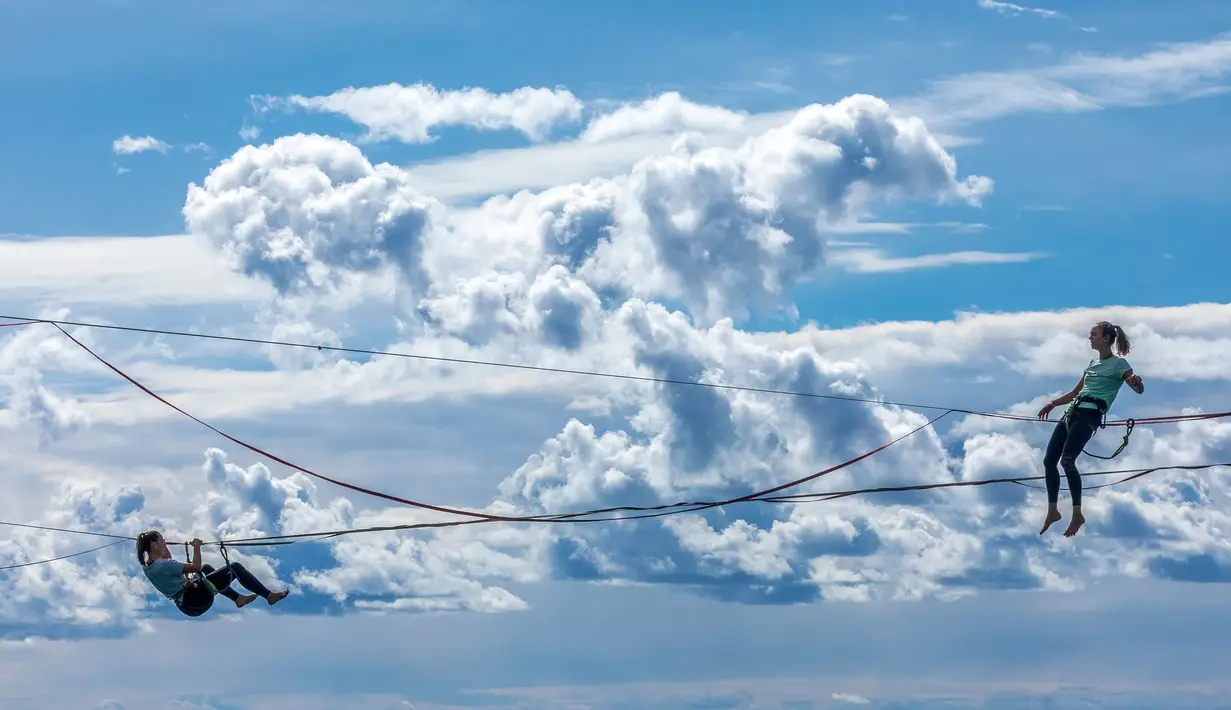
167,576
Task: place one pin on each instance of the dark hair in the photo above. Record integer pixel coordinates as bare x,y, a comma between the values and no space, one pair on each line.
1116,336
145,541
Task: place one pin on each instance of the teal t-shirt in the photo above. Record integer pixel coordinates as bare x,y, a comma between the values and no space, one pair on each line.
1103,380
167,576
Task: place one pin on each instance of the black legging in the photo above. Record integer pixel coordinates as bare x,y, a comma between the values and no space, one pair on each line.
1067,441
195,604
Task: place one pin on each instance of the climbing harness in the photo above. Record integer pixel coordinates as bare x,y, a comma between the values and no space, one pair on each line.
1101,406
197,595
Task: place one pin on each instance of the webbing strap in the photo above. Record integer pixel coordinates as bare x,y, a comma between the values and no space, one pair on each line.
1128,431
1102,411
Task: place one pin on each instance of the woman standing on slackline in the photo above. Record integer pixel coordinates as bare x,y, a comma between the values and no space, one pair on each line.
1093,395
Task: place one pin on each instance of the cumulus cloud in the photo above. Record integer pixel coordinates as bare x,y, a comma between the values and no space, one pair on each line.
409,113
708,445
580,275
91,595
311,214
105,594
379,572
1166,73
881,547
24,354
128,145
53,415
681,443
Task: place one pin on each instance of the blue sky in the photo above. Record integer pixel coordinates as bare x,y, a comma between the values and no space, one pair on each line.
1037,168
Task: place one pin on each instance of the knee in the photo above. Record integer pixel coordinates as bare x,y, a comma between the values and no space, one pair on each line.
207,569
1069,463
1050,461
238,566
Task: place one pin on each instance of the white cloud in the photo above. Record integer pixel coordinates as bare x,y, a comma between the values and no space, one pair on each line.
24,355
127,145
1174,345
1006,8
101,594
312,216
309,213
577,276
92,593
664,457
408,113
686,444
492,172
875,261
127,271
850,698
1172,72
665,113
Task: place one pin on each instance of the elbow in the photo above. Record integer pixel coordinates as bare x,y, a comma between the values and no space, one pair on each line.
192,567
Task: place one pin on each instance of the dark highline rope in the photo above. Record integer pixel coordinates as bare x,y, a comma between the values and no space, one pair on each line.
539,368
455,511
274,540
585,516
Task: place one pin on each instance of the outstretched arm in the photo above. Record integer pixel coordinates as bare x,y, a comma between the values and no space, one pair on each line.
1062,399
1133,380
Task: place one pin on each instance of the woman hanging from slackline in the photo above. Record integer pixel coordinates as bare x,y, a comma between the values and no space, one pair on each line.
194,598
1092,398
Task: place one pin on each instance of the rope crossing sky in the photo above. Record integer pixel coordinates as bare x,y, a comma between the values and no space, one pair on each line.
22,320
271,540
586,516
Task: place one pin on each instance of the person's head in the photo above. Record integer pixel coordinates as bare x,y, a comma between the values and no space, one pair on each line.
151,546
1104,335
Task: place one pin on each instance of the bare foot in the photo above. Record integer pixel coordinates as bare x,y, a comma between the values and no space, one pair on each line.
1078,521
1053,516
244,600
276,597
